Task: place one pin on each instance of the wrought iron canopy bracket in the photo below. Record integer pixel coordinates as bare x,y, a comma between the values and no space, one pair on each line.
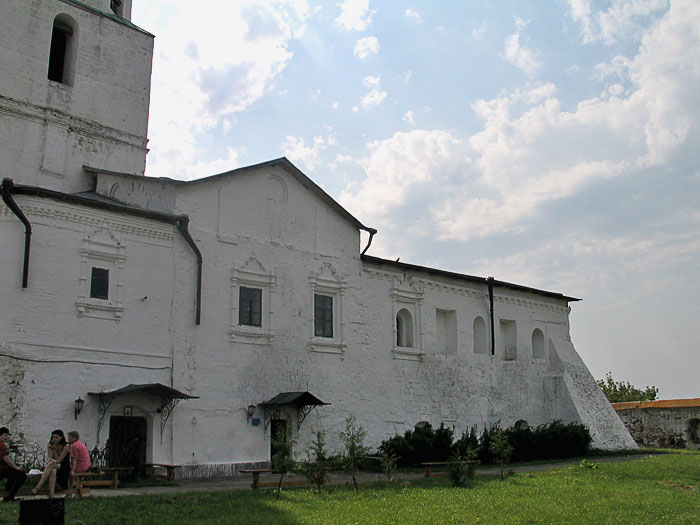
104,401
166,408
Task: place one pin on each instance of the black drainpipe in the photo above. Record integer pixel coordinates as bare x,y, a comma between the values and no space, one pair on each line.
8,186
489,282
182,224
371,232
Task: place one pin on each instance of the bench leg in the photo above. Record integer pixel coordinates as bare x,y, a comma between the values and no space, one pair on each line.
427,472
256,480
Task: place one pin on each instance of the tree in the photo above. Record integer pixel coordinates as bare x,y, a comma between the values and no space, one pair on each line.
620,391
354,440
317,463
501,449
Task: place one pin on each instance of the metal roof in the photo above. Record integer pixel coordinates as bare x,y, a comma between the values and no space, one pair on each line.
295,398
154,389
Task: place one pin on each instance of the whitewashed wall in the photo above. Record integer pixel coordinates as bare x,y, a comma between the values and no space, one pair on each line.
100,120
54,352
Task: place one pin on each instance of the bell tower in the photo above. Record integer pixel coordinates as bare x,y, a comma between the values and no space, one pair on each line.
75,82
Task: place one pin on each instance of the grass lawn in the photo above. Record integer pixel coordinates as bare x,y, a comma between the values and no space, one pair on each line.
661,489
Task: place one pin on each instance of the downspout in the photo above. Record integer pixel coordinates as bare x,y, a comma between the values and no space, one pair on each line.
371,232
7,186
182,224
489,283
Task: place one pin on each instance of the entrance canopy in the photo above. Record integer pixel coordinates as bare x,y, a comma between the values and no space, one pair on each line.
168,398
304,402
154,389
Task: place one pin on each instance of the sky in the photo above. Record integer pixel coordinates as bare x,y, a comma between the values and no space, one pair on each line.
551,144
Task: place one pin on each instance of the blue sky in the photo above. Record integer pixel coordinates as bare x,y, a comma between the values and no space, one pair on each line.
552,144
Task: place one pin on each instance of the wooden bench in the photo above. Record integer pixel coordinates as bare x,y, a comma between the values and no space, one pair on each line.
112,480
81,482
430,464
256,475
257,484
169,469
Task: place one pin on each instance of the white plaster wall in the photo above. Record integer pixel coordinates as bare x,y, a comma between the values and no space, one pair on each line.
101,120
52,353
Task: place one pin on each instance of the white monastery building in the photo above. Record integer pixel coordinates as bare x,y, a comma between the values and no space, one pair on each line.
197,318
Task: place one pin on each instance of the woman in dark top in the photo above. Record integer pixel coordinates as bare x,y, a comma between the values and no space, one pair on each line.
58,469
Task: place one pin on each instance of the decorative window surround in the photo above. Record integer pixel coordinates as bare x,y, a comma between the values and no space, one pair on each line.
327,282
406,295
252,275
101,249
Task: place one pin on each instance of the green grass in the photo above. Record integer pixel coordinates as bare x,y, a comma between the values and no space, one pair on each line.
661,489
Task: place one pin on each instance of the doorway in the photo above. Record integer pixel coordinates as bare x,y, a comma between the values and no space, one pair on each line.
277,426
127,442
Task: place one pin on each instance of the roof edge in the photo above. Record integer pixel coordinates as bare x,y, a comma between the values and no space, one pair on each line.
463,277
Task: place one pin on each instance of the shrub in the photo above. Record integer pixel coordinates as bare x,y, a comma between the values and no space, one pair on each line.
468,440
443,443
317,463
354,440
398,447
461,468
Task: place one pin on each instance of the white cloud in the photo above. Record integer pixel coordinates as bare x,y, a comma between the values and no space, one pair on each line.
366,47
531,152
406,77
412,14
621,20
479,32
409,117
375,96
296,150
196,85
403,169
355,15
520,56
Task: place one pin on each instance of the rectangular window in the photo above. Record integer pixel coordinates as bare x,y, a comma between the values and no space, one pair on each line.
323,315
250,306
99,283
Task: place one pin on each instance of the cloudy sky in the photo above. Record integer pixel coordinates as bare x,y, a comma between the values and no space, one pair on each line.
553,144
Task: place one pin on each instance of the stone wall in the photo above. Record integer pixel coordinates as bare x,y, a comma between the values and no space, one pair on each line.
671,423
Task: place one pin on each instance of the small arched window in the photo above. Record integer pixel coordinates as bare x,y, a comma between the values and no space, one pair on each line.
480,339
404,328
537,344
64,46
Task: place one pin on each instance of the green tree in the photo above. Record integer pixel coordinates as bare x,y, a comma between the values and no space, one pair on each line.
317,463
501,449
282,460
620,391
355,450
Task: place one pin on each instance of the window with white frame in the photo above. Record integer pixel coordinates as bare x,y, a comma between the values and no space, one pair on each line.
252,289
101,267
406,299
327,290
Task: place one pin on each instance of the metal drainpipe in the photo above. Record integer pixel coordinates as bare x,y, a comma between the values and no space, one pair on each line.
8,186
371,232
489,282
182,224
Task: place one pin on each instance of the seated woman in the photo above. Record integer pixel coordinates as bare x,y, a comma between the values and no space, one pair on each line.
58,469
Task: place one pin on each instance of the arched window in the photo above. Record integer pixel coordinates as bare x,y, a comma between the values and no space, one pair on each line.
64,47
537,344
404,328
480,339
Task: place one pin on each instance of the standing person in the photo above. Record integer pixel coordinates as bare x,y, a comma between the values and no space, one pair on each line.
79,455
15,475
58,469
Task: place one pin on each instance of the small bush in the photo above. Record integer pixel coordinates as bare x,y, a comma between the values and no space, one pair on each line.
461,468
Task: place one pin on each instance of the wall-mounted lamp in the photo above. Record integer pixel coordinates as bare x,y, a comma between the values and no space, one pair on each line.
250,411
79,404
